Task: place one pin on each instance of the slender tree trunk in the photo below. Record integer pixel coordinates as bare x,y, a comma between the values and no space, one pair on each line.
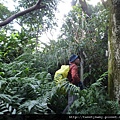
114,50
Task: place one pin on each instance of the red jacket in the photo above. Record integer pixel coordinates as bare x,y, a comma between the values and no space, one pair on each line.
73,75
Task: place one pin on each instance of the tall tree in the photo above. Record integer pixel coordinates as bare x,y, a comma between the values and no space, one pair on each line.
114,50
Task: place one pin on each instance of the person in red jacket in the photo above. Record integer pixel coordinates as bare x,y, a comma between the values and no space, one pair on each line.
73,77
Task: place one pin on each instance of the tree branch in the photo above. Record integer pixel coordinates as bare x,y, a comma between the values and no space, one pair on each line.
11,18
85,7
104,3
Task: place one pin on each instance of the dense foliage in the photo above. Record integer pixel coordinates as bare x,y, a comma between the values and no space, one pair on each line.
26,75
88,35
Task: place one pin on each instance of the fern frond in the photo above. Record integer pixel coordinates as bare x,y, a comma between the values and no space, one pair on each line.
70,87
6,108
5,97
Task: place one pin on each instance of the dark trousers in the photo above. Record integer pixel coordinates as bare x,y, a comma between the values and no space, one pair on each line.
80,84
71,99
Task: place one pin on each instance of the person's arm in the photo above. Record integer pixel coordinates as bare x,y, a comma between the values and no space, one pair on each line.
74,75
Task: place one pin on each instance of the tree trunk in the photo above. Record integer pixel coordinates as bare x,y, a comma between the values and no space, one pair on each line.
114,51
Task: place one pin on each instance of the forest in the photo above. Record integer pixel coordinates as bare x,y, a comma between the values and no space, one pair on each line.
27,65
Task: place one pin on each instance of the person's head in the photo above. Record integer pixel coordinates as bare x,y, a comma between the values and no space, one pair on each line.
74,59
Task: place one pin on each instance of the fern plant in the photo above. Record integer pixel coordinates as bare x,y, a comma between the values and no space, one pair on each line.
94,100
26,87
5,104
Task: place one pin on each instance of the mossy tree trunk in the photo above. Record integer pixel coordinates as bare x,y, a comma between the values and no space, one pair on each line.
114,50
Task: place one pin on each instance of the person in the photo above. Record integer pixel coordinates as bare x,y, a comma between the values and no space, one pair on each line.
73,77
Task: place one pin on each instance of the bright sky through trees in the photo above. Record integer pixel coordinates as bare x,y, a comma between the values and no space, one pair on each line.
64,7
93,2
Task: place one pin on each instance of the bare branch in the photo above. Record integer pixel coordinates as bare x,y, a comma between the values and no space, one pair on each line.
11,18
